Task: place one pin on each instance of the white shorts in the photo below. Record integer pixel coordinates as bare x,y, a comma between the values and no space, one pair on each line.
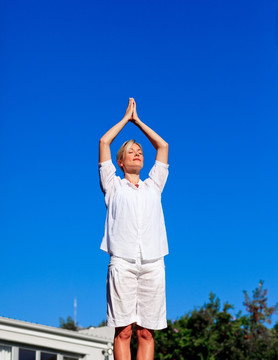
136,293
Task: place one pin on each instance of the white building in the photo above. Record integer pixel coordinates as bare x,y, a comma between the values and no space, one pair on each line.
20,340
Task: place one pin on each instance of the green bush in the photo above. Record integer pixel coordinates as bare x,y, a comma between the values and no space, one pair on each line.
212,333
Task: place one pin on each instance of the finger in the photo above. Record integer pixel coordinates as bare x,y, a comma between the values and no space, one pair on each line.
129,106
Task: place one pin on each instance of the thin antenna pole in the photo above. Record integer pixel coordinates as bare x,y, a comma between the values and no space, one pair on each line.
75,311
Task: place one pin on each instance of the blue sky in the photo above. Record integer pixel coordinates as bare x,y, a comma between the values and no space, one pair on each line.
204,75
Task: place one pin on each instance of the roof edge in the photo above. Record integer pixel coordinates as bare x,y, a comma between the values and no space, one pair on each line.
50,330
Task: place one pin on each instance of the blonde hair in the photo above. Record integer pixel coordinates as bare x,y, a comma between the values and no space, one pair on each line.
124,149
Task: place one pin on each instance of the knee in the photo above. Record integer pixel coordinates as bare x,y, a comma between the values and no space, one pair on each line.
145,334
123,333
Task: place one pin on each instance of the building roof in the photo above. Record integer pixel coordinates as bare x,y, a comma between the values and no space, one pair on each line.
99,335
104,332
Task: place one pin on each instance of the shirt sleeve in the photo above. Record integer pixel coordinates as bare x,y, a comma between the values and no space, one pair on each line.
158,174
106,175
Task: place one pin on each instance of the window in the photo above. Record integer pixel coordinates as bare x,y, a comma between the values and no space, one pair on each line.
5,353
21,353
48,356
25,354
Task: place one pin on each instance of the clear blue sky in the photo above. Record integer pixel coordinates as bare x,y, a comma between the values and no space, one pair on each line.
205,77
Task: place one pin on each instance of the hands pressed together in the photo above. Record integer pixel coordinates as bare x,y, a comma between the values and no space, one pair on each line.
131,112
159,144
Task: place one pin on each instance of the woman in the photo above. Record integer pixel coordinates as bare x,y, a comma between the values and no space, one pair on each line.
135,238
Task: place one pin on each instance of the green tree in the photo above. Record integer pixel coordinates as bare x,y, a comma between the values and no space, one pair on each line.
213,333
69,324
262,341
103,323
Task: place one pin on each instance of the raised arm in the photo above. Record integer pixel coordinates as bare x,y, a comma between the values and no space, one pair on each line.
159,144
107,138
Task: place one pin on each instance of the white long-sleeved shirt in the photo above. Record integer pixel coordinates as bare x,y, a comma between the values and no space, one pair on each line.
134,215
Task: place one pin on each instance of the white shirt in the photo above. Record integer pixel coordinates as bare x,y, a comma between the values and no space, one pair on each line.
134,215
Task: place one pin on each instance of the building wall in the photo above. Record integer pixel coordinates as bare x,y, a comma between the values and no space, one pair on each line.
26,341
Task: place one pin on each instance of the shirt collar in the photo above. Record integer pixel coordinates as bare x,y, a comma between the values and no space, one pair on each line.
125,181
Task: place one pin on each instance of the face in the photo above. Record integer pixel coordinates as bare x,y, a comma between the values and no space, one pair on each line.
133,159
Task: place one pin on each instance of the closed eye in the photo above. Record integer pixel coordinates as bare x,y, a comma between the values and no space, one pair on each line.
132,152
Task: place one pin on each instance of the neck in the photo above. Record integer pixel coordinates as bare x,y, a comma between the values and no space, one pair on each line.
133,178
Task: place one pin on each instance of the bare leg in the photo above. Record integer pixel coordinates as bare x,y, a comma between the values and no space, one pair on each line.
122,343
145,344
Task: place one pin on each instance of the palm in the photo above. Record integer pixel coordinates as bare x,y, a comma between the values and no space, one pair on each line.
134,114
129,110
